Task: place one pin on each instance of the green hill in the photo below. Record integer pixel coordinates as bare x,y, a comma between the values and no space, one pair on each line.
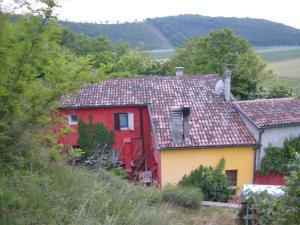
170,31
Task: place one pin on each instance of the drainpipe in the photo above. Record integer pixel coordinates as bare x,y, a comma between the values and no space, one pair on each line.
142,135
259,149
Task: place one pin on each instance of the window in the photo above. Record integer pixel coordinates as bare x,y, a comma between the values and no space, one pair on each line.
124,121
73,120
231,177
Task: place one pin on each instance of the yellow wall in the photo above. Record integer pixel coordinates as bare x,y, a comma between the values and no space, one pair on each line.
176,163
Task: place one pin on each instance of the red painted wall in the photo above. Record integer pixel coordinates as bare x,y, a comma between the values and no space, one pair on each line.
270,179
130,144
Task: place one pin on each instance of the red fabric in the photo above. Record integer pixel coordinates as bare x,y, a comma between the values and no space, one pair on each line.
270,179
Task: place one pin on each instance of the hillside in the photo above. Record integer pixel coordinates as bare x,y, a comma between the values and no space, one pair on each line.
73,195
170,31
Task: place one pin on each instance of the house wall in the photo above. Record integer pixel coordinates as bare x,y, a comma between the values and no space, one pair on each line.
129,143
177,163
274,136
277,136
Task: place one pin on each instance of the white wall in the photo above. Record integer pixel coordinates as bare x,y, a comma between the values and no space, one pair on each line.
273,136
276,136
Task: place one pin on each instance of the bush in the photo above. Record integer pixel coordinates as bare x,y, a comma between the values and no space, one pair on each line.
119,172
273,92
212,182
280,210
92,137
185,196
264,209
276,159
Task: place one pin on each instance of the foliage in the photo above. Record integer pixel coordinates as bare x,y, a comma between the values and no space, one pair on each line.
276,159
278,210
119,172
212,182
185,196
35,72
291,201
212,53
72,195
264,209
273,92
112,60
174,30
73,154
92,137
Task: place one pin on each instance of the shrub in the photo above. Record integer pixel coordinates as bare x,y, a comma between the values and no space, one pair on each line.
92,137
280,210
119,172
264,209
212,182
273,92
276,159
185,196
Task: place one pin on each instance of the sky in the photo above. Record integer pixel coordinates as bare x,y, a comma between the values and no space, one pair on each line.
282,11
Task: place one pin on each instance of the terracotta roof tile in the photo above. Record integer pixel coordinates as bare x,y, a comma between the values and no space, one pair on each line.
271,112
213,122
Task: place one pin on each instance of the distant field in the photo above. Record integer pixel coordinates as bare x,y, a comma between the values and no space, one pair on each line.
284,61
270,54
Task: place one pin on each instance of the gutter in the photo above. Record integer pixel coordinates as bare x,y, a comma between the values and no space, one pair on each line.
101,106
208,146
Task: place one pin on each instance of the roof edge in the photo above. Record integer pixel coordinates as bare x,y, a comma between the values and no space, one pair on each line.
208,146
102,106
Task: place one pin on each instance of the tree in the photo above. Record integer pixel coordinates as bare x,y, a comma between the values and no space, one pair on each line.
34,73
92,137
211,54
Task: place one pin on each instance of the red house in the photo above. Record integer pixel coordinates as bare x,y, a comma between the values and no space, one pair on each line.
166,125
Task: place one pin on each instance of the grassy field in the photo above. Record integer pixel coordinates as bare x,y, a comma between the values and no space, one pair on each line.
283,60
72,195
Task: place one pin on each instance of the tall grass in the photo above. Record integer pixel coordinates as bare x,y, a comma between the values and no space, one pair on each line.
71,195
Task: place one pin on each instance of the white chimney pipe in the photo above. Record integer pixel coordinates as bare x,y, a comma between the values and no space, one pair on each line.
227,85
179,71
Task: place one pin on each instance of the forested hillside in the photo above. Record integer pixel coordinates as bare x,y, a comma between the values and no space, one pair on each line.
172,31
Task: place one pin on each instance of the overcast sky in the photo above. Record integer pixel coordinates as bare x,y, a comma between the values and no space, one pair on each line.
282,11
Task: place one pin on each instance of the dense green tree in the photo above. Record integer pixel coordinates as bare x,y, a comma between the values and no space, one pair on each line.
34,73
212,54
93,137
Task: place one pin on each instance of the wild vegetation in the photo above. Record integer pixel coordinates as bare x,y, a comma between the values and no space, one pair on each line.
212,182
277,159
36,185
266,209
174,30
219,50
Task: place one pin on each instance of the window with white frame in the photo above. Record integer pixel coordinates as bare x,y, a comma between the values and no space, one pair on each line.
73,119
124,121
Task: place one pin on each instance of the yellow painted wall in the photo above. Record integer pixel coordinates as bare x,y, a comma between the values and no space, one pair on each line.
176,163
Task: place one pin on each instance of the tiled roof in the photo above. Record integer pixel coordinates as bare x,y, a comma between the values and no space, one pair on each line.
213,122
271,112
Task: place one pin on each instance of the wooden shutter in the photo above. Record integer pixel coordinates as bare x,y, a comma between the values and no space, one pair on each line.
117,121
131,121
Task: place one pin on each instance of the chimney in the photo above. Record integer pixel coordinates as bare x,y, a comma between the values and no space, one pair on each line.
179,71
227,85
